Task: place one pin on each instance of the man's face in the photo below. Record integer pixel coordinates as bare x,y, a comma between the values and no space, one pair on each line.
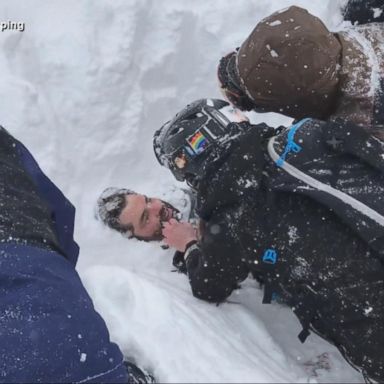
146,216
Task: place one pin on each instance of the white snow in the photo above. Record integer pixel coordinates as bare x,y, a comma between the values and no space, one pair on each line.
274,53
292,235
84,87
275,23
377,12
83,357
368,310
271,51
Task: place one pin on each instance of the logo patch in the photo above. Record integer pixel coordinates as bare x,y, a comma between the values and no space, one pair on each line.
198,142
270,256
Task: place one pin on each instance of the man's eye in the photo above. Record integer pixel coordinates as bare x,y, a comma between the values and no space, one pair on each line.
146,218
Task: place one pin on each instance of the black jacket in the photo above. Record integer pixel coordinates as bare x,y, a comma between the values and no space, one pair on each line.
25,217
269,206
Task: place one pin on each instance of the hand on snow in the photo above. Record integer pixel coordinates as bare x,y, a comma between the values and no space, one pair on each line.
178,234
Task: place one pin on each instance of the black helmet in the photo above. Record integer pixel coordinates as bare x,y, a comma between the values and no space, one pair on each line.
184,143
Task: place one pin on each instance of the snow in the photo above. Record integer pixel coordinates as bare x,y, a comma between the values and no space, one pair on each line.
292,235
83,357
274,53
271,51
274,23
367,311
84,86
377,12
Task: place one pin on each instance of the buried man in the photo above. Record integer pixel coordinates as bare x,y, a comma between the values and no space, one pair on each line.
302,208
138,216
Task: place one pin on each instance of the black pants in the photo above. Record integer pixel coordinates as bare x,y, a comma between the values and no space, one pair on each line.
364,11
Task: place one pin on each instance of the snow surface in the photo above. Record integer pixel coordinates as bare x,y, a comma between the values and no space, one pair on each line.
84,87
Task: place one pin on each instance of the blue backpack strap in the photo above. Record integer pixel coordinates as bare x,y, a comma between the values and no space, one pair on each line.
63,211
291,146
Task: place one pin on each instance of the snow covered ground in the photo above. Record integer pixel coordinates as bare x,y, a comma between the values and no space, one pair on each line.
84,87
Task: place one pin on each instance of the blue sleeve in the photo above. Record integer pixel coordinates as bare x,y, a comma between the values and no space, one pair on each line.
50,330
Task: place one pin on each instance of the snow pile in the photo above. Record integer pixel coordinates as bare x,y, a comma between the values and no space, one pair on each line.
84,87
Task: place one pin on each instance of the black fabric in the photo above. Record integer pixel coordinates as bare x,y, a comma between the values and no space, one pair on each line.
364,11
378,110
136,375
349,138
259,219
345,157
179,263
24,218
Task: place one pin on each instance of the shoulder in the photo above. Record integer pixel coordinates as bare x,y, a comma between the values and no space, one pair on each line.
232,173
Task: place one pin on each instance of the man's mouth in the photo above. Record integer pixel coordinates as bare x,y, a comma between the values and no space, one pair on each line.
167,214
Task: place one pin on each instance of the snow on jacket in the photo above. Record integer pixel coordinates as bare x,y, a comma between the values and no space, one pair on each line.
324,260
292,64
49,329
364,11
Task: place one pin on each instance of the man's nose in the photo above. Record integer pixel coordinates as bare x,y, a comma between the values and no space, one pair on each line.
154,207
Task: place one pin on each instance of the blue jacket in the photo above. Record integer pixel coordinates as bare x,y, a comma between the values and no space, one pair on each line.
49,329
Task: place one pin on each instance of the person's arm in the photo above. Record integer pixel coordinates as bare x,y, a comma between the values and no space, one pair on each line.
213,266
212,280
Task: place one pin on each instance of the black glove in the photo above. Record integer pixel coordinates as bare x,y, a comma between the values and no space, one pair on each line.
179,262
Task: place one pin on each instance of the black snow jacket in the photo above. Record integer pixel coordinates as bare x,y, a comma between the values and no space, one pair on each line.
304,211
27,218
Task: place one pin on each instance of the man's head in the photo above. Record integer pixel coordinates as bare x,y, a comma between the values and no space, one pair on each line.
230,84
185,143
133,214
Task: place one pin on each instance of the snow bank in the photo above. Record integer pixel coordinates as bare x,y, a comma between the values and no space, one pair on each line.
84,87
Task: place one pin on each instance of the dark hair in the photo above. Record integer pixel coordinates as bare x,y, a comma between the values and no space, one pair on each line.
110,204
230,83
